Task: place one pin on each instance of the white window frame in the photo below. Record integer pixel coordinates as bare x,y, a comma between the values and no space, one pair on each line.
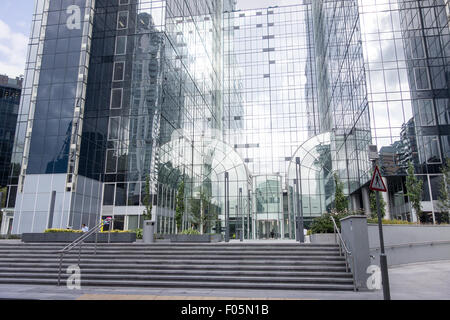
121,98
428,78
126,43
109,128
118,19
439,150
114,71
423,48
419,103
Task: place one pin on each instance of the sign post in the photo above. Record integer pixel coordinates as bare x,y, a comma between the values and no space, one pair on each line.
377,185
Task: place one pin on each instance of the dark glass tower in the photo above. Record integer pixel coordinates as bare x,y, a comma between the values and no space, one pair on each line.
107,83
10,90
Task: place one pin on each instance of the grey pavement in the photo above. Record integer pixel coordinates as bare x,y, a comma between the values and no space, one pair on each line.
424,281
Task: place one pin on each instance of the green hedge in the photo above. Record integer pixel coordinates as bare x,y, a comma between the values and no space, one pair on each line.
324,224
62,231
191,232
384,221
79,231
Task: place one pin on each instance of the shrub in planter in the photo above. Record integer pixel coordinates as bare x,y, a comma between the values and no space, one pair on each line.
384,221
190,232
62,231
138,233
324,224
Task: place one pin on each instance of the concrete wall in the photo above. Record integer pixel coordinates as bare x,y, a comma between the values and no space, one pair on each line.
410,243
72,209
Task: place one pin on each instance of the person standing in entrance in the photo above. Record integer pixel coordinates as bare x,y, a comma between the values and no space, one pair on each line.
272,234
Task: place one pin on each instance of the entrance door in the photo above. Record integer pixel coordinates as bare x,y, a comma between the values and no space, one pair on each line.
10,225
268,229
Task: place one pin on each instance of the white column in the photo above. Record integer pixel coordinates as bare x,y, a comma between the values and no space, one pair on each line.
386,200
366,201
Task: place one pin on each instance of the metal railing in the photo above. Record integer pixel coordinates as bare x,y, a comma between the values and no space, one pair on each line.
343,249
79,242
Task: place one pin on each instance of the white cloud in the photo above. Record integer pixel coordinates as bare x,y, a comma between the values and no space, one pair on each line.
13,51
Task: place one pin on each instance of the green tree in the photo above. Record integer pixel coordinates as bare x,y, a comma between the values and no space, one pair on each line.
414,192
147,200
444,190
179,211
341,201
203,212
3,191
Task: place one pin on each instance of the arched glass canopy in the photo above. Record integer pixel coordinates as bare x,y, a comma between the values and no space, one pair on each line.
202,164
312,164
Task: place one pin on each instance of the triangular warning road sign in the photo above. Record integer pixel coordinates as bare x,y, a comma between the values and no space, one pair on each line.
377,183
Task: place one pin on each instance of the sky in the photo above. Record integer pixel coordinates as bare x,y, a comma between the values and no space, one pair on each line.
15,25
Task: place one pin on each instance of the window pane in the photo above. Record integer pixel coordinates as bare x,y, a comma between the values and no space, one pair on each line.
122,21
119,68
432,153
422,79
133,194
116,99
121,45
108,197
114,124
121,194
426,112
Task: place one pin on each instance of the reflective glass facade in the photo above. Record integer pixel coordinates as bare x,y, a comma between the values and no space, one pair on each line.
10,90
109,84
406,50
116,91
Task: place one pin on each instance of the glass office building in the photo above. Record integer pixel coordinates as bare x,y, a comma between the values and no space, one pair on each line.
106,85
407,51
253,110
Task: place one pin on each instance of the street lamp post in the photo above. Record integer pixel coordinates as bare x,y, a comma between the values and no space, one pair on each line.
227,208
299,224
241,212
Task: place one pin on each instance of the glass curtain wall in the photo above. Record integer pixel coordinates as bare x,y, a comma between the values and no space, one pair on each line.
407,59
342,104
210,159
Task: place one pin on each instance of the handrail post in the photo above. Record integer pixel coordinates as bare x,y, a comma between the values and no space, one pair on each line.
353,273
79,254
96,239
60,268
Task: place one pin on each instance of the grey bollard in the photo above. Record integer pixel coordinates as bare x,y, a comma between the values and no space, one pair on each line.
355,234
148,231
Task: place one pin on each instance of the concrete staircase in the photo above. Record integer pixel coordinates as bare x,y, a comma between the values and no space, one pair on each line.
227,266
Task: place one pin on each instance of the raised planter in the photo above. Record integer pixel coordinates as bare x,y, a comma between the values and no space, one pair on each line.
205,238
323,238
68,237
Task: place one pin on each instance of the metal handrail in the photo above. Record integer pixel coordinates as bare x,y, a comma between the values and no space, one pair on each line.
79,242
347,252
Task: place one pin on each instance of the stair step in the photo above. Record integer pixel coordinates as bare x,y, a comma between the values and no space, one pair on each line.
182,261
173,257
310,268
190,284
201,278
263,273
233,266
